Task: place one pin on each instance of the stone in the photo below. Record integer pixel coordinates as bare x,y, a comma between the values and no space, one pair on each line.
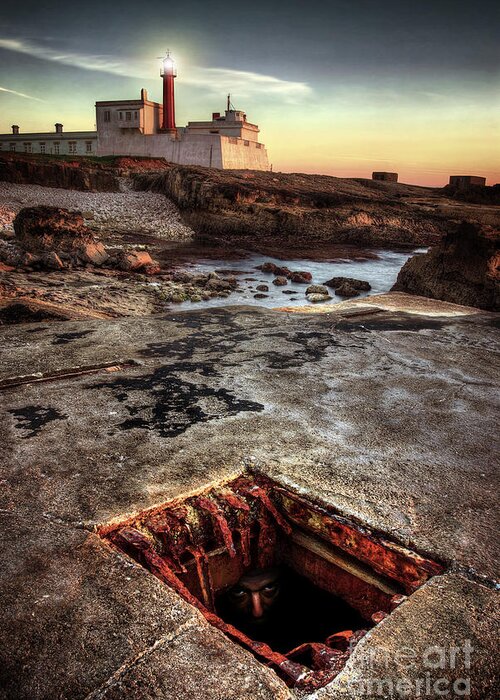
317,289
360,285
280,281
217,285
182,277
318,297
93,253
346,290
281,271
463,269
300,277
10,254
42,229
262,288
260,296
153,269
267,267
52,261
132,260
232,282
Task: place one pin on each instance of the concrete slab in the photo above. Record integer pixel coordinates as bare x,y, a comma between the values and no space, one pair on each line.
73,611
388,417
447,654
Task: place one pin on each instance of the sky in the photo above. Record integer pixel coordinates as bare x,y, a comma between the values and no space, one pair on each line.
341,87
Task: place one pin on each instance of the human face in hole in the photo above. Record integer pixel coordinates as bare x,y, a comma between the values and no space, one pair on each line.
255,593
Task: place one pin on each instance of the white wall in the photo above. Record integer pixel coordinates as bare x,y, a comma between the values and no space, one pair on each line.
241,157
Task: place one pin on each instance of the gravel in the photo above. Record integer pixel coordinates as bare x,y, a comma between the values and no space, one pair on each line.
124,212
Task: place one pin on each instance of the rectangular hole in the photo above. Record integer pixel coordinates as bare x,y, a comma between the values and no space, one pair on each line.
289,579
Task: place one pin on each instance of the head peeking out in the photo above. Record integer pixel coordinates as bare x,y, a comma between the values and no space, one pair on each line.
255,594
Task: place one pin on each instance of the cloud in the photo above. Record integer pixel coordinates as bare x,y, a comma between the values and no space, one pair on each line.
246,83
213,80
20,94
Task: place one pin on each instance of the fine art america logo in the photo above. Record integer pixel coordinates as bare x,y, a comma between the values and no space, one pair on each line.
436,671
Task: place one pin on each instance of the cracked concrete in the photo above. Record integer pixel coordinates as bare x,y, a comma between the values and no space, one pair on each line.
389,417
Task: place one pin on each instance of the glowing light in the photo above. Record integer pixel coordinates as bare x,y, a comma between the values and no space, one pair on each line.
168,66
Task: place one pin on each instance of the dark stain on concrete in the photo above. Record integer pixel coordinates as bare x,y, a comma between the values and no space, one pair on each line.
176,404
410,323
33,418
64,338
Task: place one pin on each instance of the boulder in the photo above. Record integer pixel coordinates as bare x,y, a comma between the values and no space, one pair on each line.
360,285
52,261
280,281
315,298
281,271
50,235
260,296
266,267
132,260
43,229
317,289
301,277
262,288
92,252
463,269
347,290
215,284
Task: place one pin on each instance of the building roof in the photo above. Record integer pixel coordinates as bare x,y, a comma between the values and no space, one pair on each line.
50,135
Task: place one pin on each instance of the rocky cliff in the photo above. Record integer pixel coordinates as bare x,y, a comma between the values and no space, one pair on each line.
266,211
258,208
463,269
73,173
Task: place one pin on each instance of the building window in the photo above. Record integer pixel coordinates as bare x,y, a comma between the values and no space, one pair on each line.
88,146
246,143
120,115
72,147
42,148
12,146
56,147
128,116
27,147
107,115
214,131
135,115
233,139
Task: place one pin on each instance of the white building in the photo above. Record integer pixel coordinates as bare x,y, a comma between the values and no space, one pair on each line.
80,143
145,128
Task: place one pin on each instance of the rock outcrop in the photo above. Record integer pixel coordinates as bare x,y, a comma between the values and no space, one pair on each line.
348,286
269,211
74,173
43,231
55,239
463,269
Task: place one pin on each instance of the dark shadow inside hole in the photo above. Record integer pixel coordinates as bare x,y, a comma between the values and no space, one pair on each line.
301,613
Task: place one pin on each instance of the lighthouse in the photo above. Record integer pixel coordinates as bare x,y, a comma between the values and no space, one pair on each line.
168,72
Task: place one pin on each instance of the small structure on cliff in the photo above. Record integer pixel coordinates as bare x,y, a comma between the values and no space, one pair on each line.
141,127
386,177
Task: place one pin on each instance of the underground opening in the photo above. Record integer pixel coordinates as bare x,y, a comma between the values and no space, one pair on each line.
287,578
